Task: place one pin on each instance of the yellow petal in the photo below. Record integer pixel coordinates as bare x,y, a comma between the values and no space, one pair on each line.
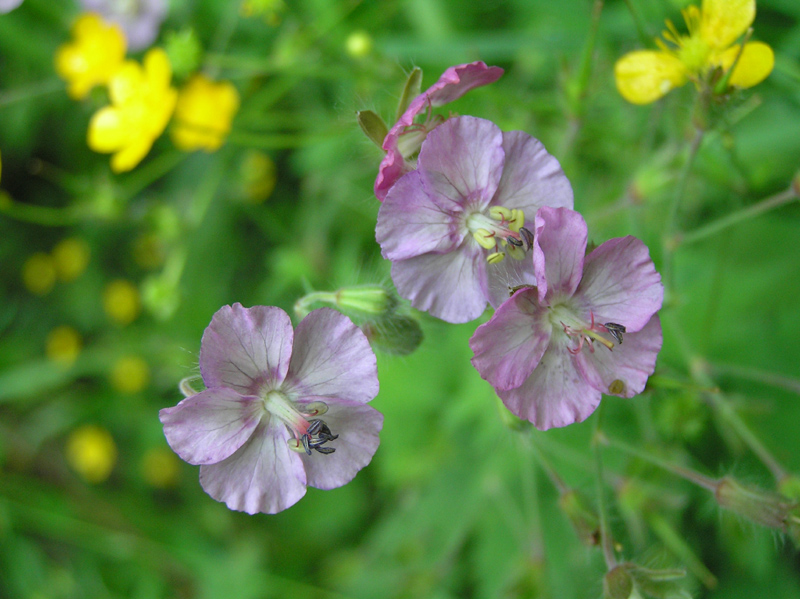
158,69
107,130
126,82
723,21
129,156
644,76
755,63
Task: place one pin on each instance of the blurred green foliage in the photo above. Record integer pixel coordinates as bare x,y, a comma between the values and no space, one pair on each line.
456,502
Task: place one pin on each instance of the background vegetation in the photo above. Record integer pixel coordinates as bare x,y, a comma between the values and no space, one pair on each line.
459,501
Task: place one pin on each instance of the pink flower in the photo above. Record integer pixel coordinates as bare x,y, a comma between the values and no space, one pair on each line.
282,409
404,138
551,349
448,226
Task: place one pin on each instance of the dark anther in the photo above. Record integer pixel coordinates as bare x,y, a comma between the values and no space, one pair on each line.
616,330
514,241
527,237
317,434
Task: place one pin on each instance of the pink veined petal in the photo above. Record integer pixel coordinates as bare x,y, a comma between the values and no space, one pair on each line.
559,245
620,283
358,427
454,83
246,348
449,286
509,347
531,178
332,359
264,475
410,224
209,427
555,394
461,162
458,80
506,275
624,370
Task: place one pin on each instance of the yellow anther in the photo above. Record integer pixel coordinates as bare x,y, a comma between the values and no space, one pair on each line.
485,239
500,213
495,258
517,220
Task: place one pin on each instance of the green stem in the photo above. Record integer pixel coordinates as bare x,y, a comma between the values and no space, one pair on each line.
644,35
223,34
700,480
712,228
605,536
760,376
31,91
303,305
150,172
547,465
45,216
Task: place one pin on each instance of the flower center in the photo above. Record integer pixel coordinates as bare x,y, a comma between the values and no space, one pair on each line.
692,50
585,333
501,232
307,431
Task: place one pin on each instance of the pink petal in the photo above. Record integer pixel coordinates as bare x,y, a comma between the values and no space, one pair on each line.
358,427
246,348
555,394
450,286
461,162
532,178
454,83
509,347
620,283
263,476
506,275
332,359
627,366
209,427
559,246
410,223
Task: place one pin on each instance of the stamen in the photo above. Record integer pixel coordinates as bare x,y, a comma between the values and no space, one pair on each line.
485,238
495,258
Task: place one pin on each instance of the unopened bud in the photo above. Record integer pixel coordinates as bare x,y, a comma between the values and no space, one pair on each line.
366,301
373,126
767,509
184,51
617,583
397,334
582,516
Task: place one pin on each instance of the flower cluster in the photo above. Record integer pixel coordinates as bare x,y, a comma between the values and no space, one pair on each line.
485,216
705,55
142,97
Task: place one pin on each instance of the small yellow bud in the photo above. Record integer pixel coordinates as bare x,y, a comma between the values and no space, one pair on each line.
91,452
358,44
39,273
130,374
63,345
71,256
121,301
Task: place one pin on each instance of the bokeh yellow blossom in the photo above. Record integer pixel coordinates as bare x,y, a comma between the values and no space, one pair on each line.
142,101
121,301
91,452
203,114
644,76
39,273
71,257
63,345
258,176
358,44
160,467
130,374
95,54
269,10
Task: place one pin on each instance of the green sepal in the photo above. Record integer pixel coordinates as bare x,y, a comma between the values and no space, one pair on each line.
410,91
373,126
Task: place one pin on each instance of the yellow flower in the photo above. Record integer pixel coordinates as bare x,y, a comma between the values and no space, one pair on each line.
142,101
95,54
121,301
160,468
204,113
91,452
644,76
